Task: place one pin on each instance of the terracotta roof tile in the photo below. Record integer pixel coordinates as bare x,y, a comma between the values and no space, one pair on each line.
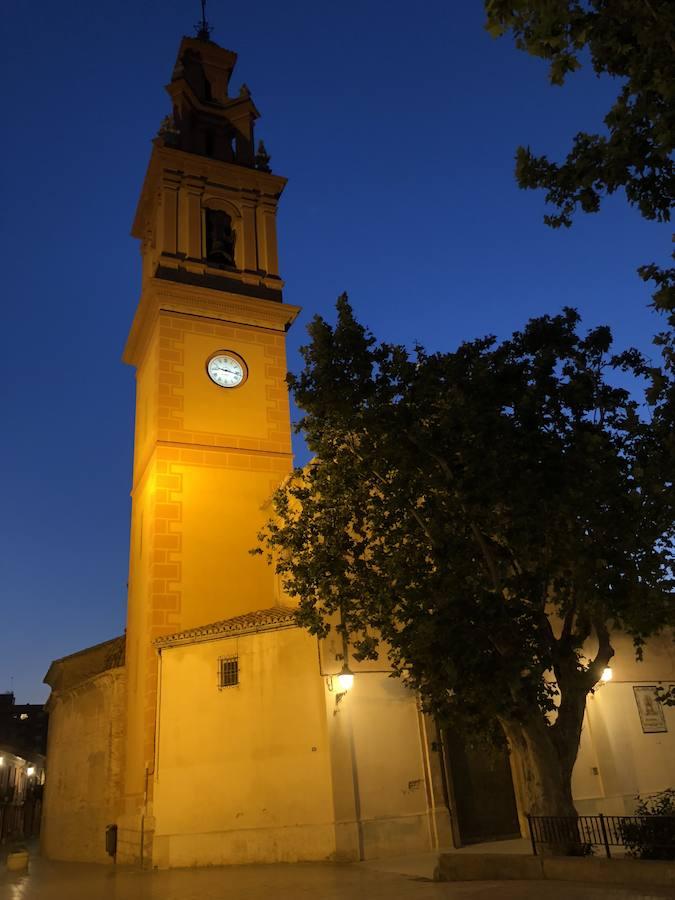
257,620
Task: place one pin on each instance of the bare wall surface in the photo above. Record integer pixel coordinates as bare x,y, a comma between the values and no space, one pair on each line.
85,758
243,772
617,758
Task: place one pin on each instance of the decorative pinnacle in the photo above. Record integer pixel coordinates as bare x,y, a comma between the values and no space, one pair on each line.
262,158
203,28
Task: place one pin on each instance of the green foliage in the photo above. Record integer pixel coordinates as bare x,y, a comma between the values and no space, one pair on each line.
632,41
652,834
666,696
484,511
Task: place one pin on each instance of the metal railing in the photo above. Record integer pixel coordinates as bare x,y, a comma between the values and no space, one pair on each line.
583,833
20,820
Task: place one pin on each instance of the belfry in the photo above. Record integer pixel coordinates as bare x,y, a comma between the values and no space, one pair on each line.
214,731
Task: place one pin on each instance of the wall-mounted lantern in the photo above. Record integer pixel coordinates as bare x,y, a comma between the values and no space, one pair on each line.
345,679
341,683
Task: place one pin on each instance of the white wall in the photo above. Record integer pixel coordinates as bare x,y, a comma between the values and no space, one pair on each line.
379,718
617,760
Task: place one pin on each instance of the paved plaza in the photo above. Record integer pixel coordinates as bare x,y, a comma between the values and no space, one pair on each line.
303,881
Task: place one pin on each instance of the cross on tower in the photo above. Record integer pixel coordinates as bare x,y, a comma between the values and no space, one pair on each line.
203,28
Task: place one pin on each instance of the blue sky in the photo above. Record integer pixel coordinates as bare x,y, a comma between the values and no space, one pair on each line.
397,130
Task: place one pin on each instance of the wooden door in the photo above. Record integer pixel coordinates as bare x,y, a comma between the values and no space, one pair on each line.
482,799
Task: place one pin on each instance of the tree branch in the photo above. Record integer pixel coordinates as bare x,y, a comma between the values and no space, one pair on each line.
658,21
568,624
415,513
604,654
487,555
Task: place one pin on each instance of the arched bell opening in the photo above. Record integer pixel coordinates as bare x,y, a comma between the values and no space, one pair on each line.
219,238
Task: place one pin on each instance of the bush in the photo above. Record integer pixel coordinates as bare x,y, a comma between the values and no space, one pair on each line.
650,833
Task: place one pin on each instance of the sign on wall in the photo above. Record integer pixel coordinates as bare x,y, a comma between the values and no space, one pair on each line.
651,711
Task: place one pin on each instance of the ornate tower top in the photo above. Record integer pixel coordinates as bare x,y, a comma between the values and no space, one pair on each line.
205,118
206,217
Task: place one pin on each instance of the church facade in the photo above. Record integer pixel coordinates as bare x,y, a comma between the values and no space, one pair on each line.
216,731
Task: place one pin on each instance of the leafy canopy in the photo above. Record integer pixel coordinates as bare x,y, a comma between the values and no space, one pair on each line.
484,511
632,41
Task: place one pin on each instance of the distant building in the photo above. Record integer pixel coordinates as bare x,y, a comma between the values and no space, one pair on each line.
218,731
23,725
23,744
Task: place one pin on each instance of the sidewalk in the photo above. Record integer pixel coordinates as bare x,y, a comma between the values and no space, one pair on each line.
422,865
374,880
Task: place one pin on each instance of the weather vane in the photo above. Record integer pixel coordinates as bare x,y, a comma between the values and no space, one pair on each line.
203,28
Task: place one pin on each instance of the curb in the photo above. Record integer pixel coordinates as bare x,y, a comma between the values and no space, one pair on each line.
505,867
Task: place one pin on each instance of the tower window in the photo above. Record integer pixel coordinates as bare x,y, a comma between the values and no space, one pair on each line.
220,237
228,671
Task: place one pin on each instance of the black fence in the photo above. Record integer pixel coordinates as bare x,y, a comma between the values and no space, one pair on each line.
651,837
20,821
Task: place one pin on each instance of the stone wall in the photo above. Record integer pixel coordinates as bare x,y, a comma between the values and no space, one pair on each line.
84,767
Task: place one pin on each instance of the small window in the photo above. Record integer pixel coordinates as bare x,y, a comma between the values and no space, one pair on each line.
228,671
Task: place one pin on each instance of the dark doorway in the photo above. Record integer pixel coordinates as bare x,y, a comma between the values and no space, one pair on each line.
481,792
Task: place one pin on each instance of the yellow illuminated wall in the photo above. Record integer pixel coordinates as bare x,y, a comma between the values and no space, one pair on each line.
207,459
258,753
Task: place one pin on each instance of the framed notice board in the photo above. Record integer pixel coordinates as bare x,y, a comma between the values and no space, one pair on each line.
649,708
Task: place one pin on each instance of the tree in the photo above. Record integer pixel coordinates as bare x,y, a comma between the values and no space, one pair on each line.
632,41
491,514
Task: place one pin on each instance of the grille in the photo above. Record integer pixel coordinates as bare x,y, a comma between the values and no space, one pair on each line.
228,671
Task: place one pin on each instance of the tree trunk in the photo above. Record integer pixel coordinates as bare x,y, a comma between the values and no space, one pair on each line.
544,781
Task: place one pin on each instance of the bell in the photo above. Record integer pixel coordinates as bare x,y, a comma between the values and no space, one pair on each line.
221,252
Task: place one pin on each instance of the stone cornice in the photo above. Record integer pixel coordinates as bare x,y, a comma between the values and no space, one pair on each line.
160,294
58,695
113,650
273,619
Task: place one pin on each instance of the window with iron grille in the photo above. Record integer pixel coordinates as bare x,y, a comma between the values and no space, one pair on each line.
228,671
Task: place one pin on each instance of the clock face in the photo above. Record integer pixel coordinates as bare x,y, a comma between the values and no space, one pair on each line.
226,370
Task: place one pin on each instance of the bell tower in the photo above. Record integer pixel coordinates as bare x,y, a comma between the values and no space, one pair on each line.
212,431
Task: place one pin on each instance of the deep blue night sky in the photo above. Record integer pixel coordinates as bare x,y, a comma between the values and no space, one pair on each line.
396,126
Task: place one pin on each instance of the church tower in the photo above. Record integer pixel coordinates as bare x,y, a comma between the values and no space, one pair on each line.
212,432
214,731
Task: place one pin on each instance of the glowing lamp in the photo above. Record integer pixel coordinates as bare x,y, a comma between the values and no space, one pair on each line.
345,679
2,760
30,771
607,674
